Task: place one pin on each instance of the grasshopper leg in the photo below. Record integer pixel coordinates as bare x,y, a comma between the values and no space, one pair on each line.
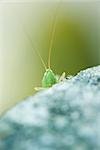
39,88
62,77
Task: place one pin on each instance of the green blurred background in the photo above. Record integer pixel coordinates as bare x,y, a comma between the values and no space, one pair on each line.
75,46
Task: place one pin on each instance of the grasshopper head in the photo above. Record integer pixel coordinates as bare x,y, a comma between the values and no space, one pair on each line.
49,78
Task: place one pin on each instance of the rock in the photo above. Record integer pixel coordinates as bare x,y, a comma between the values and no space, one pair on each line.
64,117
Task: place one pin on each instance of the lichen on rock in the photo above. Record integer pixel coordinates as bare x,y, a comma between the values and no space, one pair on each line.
64,117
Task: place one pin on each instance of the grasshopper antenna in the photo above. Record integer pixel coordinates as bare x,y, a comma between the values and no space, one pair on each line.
53,33
33,47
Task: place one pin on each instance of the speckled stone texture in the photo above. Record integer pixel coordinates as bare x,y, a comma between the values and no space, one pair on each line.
64,117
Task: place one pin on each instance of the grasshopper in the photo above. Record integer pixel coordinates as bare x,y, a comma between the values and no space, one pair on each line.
49,77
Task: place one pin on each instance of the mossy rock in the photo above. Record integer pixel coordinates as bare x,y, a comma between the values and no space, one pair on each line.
64,117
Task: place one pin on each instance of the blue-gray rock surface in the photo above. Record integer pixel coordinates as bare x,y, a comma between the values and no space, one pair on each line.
64,117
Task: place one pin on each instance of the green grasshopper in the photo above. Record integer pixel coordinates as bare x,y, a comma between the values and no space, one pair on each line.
49,77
